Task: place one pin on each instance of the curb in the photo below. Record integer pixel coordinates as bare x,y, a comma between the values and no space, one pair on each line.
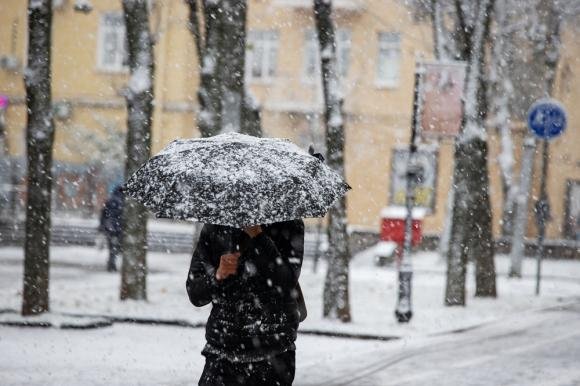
110,320
186,324
100,322
63,326
348,335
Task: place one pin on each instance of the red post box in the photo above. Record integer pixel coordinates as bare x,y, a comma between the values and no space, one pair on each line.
393,224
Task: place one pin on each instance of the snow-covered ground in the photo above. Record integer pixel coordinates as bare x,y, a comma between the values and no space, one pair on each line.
154,355
79,284
132,355
541,349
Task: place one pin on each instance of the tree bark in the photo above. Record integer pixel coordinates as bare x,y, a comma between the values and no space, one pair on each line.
442,51
501,92
482,246
5,171
471,229
139,119
440,42
231,71
209,94
39,143
194,27
336,295
251,115
547,42
225,103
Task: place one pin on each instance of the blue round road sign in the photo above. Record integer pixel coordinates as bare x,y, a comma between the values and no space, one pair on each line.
547,118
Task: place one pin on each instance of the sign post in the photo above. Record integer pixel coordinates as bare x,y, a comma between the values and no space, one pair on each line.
521,217
437,113
547,120
404,309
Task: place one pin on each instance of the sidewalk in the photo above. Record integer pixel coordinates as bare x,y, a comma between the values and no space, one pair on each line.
79,285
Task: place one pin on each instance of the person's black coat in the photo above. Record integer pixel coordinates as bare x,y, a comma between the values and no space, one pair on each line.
255,312
112,214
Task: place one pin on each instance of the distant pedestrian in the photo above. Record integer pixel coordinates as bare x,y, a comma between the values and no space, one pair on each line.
111,226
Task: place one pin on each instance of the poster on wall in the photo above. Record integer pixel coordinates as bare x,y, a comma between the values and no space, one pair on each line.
425,190
441,99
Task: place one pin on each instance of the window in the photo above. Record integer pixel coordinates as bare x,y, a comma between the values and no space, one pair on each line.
312,54
389,59
261,54
112,44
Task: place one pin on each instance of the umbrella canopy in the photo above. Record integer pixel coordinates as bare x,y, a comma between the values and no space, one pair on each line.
236,180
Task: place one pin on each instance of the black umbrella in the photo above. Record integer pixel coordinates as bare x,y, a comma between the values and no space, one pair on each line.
236,180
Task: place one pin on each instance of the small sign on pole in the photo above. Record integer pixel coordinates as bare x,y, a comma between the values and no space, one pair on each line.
547,120
4,100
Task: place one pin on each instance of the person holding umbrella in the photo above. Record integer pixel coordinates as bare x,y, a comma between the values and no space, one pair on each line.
253,288
251,194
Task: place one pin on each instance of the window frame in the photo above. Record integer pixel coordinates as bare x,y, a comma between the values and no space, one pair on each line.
119,67
343,43
268,40
388,40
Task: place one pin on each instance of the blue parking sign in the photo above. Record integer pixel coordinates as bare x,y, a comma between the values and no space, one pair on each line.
547,118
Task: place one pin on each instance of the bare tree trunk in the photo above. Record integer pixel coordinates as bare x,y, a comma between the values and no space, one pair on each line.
224,100
39,142
547,41
471,230
440,42
231,72
210,92
482,242
139,119
5,170
442,51
546,53
501,92
194,27
336,297
251,115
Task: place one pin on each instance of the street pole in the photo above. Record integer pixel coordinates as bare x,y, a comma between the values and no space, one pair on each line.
547,120
542,214
404,310
521,209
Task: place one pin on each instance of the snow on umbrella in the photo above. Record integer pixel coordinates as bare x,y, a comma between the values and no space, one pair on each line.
236,180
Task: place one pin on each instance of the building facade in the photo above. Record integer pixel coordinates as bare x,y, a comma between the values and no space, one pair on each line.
378,44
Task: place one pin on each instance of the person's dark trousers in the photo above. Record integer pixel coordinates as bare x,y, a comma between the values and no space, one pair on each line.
114,251
276,371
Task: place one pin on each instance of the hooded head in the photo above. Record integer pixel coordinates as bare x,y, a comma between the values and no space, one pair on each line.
118,192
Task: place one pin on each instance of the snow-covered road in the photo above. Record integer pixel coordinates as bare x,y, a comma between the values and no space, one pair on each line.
541,348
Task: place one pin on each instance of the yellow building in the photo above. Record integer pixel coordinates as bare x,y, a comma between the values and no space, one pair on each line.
378,45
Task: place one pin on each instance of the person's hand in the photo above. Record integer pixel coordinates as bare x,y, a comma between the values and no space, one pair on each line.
253,230
228,266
